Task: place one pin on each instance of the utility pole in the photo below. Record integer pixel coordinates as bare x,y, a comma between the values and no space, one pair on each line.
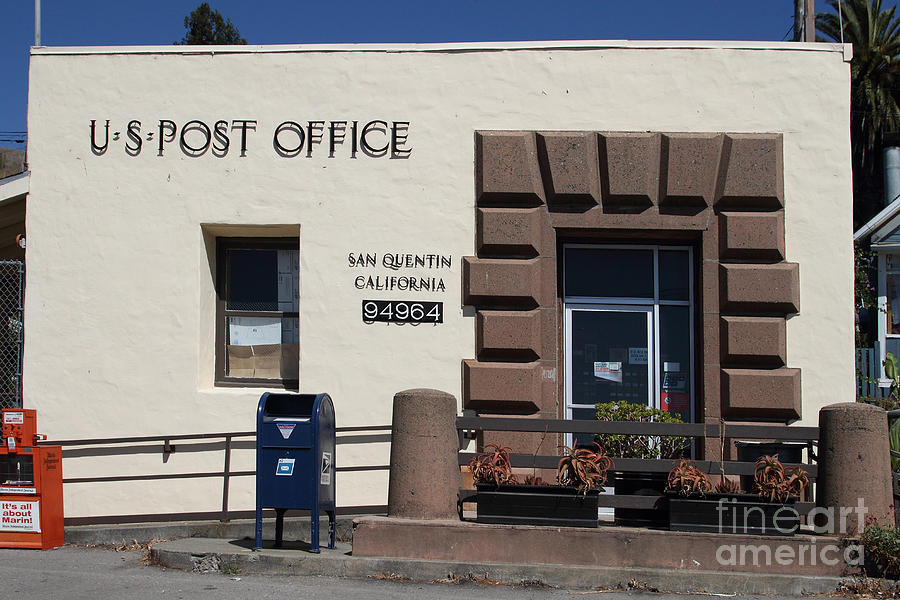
37,22
804,21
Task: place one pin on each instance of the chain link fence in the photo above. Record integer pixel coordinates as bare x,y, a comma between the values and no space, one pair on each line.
12,331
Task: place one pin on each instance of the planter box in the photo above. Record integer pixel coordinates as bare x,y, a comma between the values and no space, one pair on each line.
536,505
728,513
641,484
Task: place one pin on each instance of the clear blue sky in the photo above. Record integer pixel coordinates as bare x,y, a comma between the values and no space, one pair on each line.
151,22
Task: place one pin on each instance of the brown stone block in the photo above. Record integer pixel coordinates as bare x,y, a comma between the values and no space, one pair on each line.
711,404
691,165
508,334
710,238
506,169
550,333
753,172
502,387
517,335
711,343
757,235
760,288
754,340
513,232
513,282
761,395
629,169
646,223
709,286
549,372
569,166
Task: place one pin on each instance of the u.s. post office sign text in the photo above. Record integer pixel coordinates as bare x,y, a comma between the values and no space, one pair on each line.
374,138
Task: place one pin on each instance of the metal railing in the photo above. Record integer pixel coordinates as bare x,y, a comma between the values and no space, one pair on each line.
710,432
227,442
198,442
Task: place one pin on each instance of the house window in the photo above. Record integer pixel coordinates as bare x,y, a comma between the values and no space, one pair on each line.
257,311
892,278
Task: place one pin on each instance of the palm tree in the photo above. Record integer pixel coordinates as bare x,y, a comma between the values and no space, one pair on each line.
874,73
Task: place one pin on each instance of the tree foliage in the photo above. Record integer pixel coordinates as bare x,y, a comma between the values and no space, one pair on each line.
206,26
874,71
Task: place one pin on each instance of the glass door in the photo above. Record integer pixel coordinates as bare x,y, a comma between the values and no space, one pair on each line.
629,328
607,358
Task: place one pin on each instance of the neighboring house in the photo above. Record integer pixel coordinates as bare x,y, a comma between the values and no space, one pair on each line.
13,192
883,233
12,162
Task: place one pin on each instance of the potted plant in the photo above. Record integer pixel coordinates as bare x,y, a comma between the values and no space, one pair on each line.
728,487
692,507
583,468
776,482
687,480
649,447
493,466
572,503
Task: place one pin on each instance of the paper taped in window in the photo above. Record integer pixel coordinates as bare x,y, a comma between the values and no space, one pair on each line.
240,361
264,361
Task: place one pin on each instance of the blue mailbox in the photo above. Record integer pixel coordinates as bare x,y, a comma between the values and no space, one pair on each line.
295,440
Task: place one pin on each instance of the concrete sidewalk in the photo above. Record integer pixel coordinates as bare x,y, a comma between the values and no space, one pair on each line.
236,556
227,547
111,535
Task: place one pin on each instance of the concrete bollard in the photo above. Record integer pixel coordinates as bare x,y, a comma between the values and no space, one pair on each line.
854,467
424,478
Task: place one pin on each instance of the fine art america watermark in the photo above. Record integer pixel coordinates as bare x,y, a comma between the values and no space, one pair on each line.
735,517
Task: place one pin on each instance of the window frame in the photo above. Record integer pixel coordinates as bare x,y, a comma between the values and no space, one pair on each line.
223,244
891,270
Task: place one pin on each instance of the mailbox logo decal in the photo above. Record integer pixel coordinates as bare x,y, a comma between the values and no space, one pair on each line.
285,467
325,478
286,429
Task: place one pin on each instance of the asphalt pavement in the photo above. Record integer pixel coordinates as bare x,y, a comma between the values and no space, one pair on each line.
88,573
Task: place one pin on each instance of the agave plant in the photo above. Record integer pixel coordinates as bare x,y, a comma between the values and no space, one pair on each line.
584,468
493,466
768,475
777,482
534,480
687,480
796,481
727,486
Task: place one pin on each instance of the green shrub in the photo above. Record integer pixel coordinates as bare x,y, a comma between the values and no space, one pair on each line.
639,446
894,443
888,403
882,550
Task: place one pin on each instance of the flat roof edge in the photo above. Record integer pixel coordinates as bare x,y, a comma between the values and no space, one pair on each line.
445,47
14,186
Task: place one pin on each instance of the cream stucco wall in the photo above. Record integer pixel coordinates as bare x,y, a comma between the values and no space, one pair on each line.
120,302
